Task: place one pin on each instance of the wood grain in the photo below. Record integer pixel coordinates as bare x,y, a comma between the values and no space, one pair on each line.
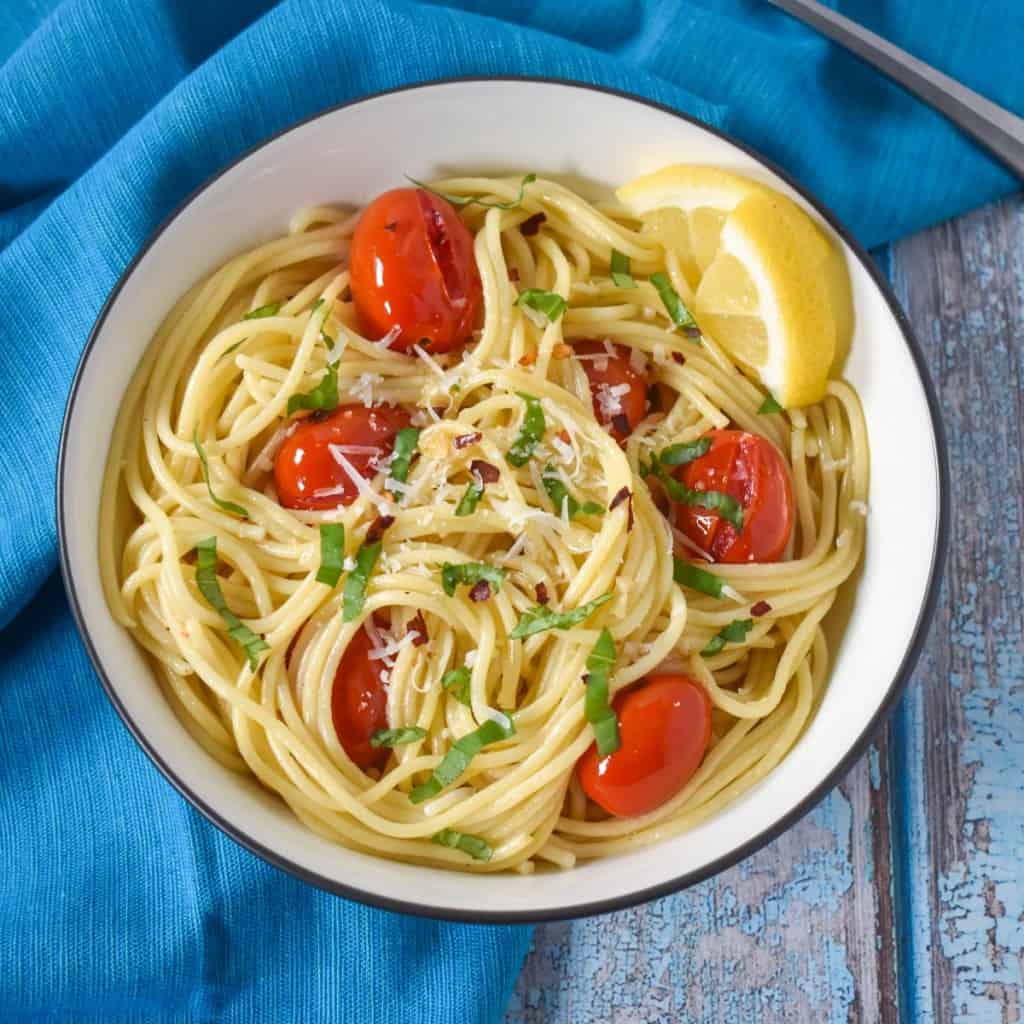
899,898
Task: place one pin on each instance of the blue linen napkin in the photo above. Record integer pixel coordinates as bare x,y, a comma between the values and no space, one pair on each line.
118,901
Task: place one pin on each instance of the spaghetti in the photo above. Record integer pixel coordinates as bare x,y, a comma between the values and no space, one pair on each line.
486,662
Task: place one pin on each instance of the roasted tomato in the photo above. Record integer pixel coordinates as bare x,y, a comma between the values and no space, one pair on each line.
665,727
750,469
359,703
618,392
413,268
309,472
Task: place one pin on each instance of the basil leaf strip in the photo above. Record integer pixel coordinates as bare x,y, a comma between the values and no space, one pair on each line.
596,706
456,761
540,618
470,499
560,496
396,737
715,501
681,454
456,681
406,445
691,576
357,580
476,847
674,305
620,272
227,506
769,405
332,553
209,586
469,573
270,309
471,200
530,433
323,396
735,633
551,304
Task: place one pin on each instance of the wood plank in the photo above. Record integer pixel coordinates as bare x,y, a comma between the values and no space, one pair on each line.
960,736
800,931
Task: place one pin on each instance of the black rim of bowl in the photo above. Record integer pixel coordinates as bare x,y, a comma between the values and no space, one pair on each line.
640,895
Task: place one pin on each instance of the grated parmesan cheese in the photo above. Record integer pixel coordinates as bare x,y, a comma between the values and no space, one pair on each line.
637,360
859,507
362,388
365,490
389,338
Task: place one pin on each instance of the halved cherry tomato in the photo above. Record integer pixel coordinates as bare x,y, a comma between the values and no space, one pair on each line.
750,469
309,476
609,372
359,703
413,267
664,726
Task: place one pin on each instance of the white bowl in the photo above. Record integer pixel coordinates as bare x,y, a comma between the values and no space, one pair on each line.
348,155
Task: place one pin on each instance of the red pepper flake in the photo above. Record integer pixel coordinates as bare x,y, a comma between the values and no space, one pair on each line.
484,471
678,357
761,608
562,351
620,423
440,410
531,225
513,273
542,593
224,570
465,440
191,556
620,496
529,359
480,591
377,529
418,627
563,435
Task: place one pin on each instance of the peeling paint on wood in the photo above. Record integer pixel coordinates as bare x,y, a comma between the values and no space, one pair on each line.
899,899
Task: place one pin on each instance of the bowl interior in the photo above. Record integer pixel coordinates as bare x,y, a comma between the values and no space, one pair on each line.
349,155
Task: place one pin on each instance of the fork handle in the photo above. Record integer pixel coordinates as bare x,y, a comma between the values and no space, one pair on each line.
992,126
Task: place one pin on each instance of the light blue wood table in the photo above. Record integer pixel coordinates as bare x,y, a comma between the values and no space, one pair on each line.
900,898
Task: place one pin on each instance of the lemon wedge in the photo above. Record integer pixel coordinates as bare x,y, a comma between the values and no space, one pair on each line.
770,286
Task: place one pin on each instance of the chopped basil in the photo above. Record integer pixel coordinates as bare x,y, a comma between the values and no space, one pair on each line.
397,737
406,444
476,847
715,501
674,305
471,200
735,633
530,433
620,271
560,496
327,340
596,707
681,454
323,396
470,499
540,618
332,553
357,580
456,682
227,506
696,579
270,309
209,586
551,304
769,405
468,574
456,761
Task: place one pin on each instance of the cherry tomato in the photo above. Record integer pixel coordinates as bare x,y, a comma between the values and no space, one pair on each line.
750,469
665,726
614,371
359,703
308,475
413,267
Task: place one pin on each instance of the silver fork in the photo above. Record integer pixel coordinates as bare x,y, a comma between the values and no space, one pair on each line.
990,125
